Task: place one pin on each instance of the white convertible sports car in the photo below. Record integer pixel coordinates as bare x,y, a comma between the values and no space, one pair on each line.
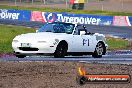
60,39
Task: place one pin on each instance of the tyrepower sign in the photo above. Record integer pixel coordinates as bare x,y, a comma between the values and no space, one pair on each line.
71,18
21,15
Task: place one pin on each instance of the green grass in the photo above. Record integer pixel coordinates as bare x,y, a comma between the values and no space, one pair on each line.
7,33
117,44
46,9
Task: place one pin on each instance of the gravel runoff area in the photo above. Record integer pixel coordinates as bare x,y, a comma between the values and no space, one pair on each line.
53,74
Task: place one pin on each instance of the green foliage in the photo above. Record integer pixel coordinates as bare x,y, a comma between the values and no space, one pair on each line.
117,44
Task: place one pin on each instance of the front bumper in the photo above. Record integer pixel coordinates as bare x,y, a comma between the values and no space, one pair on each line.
35,48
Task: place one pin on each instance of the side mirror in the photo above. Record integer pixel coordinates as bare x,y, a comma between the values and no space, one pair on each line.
82,32
36,31
84,26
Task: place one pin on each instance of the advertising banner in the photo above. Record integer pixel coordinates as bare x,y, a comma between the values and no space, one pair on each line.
71,18
37,16
25,15
21,15
130,20
121,21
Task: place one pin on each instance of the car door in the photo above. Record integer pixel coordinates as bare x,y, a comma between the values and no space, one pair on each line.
88,43
77,45
82,43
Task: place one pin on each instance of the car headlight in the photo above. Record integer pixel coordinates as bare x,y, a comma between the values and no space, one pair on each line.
41,41
15,41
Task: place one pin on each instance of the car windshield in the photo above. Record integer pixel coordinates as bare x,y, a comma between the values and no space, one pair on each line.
57,28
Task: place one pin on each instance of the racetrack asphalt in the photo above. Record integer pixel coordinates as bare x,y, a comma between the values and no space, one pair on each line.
121,32
110,59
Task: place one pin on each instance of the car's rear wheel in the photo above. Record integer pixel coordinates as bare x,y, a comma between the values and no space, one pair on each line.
61,50
98,50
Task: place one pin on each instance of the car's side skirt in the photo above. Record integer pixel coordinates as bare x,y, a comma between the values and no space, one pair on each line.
79,53
51,54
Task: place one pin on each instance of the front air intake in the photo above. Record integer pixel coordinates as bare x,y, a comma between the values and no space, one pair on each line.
28,49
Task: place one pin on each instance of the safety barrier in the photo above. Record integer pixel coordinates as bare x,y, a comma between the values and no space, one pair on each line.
38,16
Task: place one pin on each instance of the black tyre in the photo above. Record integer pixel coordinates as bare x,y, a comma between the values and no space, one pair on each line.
60,51
20,56
98,50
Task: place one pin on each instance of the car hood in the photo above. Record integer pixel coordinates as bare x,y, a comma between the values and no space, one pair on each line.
38,36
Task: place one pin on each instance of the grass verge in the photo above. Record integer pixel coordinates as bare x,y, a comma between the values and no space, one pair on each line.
7,33
117,44
46,9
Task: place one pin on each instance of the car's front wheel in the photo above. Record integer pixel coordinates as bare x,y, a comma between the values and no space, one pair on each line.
98,50
60,51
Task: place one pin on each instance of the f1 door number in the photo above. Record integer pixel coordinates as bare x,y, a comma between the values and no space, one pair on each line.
85,42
